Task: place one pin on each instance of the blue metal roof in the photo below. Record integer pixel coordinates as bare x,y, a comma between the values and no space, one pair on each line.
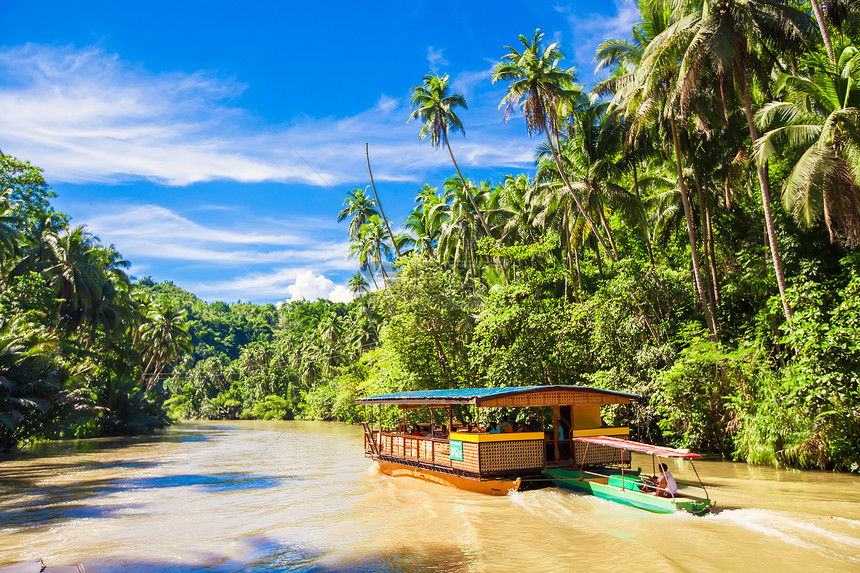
476,395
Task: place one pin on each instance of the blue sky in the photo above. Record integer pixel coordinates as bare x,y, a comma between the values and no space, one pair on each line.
214,142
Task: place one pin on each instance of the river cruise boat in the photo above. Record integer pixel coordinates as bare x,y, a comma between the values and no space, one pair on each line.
459,448
629,487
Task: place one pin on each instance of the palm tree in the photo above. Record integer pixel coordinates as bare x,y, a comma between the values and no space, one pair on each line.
358,285
821,118
542,89
362,249
373,247
434,105
424,228
73,273
725,35
165,337
649,102
459,233
360,207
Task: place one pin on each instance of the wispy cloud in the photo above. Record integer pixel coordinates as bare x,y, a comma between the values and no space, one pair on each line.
435,59
592,28
152,232
87,116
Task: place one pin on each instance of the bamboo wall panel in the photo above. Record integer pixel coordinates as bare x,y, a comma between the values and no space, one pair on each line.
598,454
469,462
511,456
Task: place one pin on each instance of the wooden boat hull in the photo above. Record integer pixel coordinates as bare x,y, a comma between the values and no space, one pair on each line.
485,486
569,479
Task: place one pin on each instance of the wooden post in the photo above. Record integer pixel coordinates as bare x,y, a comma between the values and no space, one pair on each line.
556,422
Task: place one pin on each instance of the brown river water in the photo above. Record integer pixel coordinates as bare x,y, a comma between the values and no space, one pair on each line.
301,496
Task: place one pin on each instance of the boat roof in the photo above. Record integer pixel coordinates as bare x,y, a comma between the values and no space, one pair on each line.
510,396
639,447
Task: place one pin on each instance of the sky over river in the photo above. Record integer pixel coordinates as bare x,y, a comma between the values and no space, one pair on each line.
214,142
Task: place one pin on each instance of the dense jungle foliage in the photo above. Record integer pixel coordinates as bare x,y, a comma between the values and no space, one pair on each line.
689,234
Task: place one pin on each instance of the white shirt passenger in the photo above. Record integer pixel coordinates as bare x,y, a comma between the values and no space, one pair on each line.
670,486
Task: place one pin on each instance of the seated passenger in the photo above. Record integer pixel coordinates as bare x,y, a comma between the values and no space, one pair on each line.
666,486
505,426
534,425
416,430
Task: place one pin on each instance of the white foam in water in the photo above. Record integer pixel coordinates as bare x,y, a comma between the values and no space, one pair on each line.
790,529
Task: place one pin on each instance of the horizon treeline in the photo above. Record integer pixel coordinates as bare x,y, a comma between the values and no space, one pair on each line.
689,233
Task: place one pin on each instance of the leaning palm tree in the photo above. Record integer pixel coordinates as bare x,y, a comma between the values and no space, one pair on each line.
819,116
542,90
725,37
434,105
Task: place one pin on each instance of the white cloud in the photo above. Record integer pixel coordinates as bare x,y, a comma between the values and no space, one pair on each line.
435,59
591,29
341,293
86,115
309,286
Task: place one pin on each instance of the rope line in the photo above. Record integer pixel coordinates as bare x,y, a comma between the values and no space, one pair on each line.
318,174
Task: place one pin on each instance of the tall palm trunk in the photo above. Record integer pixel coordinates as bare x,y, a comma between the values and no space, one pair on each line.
639,198
466,186
604,222
765,192
570,190
566,223
709,277
378,204
825,34
712,256
691,232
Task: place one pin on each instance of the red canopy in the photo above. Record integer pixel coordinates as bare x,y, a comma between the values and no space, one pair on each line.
639,447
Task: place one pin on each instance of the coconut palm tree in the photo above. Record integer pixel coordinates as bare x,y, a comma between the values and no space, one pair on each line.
650,104
820,116
74,273
725,36
164,337
373,246
358,285
434,105
358,206
544,92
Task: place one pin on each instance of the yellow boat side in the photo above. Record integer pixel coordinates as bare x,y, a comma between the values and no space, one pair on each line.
485,486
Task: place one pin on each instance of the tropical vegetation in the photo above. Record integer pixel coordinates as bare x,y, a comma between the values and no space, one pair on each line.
689,233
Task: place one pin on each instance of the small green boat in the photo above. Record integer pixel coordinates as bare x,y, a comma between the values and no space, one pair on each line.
629,487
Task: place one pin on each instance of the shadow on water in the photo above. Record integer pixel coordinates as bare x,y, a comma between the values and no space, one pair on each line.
52,504
173,434
268,556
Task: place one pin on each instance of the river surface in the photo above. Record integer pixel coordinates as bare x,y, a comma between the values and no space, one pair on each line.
300,496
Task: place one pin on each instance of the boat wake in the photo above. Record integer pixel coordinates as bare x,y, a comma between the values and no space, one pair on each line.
834,537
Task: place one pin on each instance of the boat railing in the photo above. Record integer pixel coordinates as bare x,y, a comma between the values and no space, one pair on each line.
426,449
480,454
